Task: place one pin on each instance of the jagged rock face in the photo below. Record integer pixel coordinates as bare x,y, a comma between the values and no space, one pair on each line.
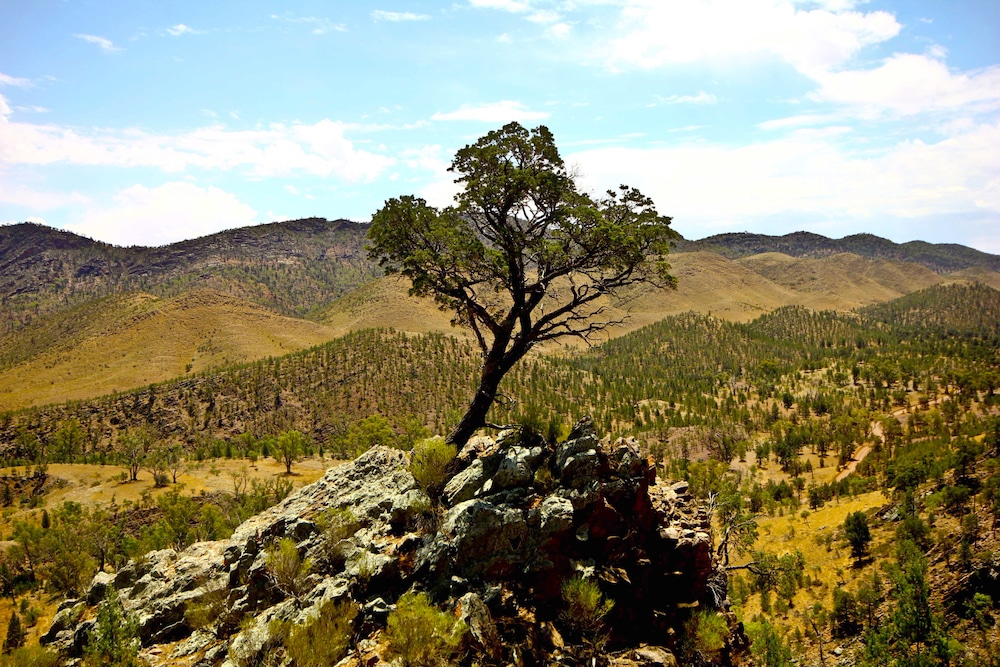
535,514
518,517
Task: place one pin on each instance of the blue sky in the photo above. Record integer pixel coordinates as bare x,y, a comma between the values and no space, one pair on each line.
146,122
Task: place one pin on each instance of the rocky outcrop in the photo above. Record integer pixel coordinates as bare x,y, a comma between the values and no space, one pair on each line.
516,519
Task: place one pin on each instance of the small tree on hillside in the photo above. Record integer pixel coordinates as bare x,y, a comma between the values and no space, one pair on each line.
15,633
857,533
523,257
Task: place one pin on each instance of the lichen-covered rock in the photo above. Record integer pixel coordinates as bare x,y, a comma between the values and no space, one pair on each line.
517,518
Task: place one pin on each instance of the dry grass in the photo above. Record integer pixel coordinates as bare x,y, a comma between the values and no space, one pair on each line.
148,340
94,484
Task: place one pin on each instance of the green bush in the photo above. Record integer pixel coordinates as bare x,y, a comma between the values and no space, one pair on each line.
114,640
707,632
287,568
325,639
585,608
421,635
429,463
336,525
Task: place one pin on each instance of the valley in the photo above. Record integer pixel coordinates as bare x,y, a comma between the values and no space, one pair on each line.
755,383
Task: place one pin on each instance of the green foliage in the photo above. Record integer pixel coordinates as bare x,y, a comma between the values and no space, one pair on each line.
422,636
114,640
429,463
519,207
845,613
857,533
322,640
707,634
288,570
288,447
767,646
585,609
361,436
15,633
336,525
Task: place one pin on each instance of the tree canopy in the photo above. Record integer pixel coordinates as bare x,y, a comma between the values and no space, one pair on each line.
523,256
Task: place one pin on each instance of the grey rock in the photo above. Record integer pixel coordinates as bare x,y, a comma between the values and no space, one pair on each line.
482,629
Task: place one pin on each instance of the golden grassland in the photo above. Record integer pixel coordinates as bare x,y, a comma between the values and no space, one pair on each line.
92,485
130,341
145,339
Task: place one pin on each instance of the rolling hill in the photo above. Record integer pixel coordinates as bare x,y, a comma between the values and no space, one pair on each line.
81,319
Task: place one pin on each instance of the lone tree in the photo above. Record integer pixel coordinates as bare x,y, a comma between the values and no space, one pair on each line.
523,256
858,534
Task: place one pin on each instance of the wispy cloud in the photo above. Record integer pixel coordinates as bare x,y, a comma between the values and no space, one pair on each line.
701,98
105,44
33,109
505,5
320,149
319,25
496,112
20,82
396,17
181,29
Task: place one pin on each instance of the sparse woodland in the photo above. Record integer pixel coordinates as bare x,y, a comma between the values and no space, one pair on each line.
786,399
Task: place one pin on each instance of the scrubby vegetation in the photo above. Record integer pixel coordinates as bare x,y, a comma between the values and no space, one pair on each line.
767,422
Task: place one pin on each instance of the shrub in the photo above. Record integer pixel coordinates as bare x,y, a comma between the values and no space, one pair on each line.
287,568
429,463
325,639
585,608
767,647
421,635
210,611
15,633
336,525
114,640
707,633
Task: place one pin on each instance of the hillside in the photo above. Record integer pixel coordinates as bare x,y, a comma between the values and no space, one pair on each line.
131,340
82,318
291,267
938,257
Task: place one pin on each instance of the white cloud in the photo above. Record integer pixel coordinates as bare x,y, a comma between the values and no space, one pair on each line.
653,33
320,149
800,120
380,15
33,109
164,214
103,43
20,82
181,29
515,6
559,30
710,188
320,26
543,16
701,98
497,112
908,84
4,110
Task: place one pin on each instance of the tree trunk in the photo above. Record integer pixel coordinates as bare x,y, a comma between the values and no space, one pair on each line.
475,416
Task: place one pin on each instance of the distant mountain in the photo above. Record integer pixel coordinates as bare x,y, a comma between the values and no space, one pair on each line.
80,318
290,267
938,257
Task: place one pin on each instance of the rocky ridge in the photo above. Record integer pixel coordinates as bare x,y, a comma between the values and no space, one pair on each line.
517,517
